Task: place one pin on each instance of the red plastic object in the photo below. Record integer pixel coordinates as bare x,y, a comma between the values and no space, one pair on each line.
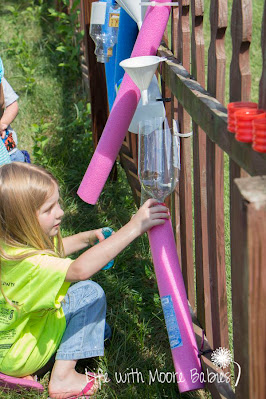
259,135
19,384
237,106
244,126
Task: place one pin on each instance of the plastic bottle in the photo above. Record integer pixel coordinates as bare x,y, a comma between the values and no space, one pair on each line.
104,25
107,232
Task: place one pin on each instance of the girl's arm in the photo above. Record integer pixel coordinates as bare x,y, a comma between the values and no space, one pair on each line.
8,116
94,259
82,240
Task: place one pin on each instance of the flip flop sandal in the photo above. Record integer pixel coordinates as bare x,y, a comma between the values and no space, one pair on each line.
82,394
19,384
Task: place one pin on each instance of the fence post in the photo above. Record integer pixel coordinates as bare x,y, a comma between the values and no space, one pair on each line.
249,284
174,115
2,100
200,184
215,179
240,74
185,189
262,101
99,102
240,89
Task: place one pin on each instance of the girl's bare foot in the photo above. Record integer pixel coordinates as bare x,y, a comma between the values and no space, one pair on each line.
29,377
65,382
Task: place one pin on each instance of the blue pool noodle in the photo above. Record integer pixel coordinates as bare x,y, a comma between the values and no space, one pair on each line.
110,65
127,35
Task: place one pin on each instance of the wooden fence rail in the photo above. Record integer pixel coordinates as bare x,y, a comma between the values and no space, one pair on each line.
198,202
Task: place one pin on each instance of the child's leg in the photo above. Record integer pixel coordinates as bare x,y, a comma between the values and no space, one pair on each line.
17,156
85,308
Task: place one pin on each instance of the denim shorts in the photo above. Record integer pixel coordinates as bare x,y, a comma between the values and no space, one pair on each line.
84,307
17,156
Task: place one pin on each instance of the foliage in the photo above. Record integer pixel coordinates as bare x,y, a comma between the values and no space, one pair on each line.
21,50
66,27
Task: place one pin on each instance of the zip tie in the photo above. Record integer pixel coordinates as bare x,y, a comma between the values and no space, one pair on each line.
185,134
201,351
176,131
175,128
165,100
154,3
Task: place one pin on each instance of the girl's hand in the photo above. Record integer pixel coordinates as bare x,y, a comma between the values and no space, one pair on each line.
95,235
82,240
150,214
95,258
3,127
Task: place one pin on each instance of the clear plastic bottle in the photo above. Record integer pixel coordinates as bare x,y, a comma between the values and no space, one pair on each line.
159,159
104,28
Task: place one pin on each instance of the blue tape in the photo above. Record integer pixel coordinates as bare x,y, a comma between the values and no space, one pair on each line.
171,322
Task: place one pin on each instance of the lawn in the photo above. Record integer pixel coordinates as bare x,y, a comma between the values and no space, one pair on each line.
54,126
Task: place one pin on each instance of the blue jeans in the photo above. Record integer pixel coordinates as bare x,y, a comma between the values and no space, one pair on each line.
84,307
17,156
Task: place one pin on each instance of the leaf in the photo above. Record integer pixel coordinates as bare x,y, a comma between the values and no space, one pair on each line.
61,48
10,8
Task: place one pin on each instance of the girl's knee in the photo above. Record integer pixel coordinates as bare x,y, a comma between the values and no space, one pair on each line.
92,289
99,290
86,293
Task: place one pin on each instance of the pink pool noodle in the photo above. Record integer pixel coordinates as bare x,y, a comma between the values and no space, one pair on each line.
147,43
172,290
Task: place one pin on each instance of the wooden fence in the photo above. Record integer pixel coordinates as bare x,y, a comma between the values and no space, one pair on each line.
198,202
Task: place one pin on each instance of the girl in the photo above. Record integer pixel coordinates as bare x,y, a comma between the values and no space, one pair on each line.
40,314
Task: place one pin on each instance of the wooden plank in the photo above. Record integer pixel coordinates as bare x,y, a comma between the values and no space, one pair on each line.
240,77
175,204
174,30
200,184
220,388
2,100
83,17
262,97
131,171
249,284
240,74
241,28
215,180
166,93
209,114
134,147
257,287
99,102
185,189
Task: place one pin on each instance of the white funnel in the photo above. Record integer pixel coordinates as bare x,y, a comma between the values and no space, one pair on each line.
133,8
154,107
141,71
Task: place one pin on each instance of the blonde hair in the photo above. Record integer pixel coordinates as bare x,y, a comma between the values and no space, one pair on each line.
23,190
